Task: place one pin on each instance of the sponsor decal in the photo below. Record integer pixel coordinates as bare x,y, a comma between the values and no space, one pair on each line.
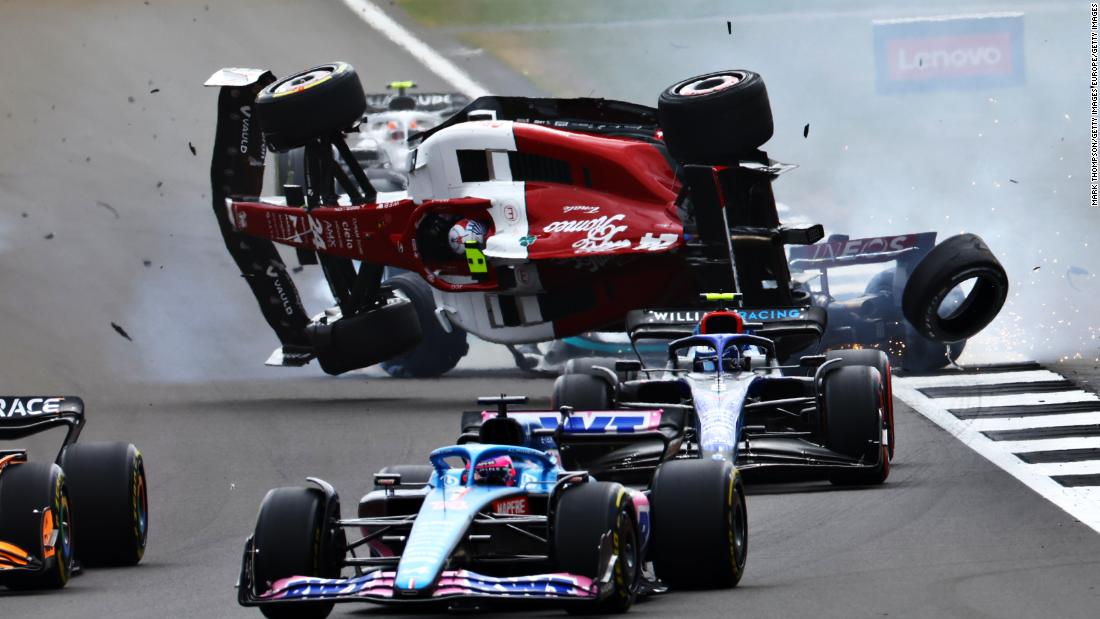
284,298
29,407
246,123
242,220
515,506
454,500
600,233
752,315
528,240
855,247
656,243
949,53
510,213
575,208
763,315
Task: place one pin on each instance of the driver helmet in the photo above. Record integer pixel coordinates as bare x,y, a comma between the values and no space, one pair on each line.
498,471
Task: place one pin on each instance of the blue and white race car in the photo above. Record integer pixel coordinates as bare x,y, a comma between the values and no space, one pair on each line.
725,396
492,517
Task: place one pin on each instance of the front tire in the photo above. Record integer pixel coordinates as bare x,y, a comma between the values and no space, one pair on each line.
295,536
700,524
854,423
108,489
583,515
878,360
311,104
25,489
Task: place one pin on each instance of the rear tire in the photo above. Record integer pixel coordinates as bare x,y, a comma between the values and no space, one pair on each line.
700,524
952,262
367,338
854,421
315,103
878,360
295,536
111,506
584,392
25,488
583,514
715,118
438,351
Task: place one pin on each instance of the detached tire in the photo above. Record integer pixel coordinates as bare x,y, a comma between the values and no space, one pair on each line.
25,489
294,537
315,103
952,262
583,515
715,118
110,502
700,524
878,360
438,351
584,392
854,423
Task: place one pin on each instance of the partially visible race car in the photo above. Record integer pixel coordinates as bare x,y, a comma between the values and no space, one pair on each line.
87,507
494,517
732,399
554,218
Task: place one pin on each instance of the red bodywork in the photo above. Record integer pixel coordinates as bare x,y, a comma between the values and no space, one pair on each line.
619,207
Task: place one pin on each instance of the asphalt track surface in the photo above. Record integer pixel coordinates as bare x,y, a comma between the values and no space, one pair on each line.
102,169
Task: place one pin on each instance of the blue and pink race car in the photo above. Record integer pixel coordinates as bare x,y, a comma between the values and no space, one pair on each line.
495,516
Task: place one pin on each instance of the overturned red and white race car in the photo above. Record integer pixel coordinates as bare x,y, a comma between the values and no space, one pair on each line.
530,218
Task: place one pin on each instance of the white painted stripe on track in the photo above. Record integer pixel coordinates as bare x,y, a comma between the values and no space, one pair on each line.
1022,399
1084,506
378,19
993,378
1083,467
1051,444
1039,421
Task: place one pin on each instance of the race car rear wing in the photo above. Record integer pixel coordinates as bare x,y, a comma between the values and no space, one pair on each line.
844,252
791,328
22,416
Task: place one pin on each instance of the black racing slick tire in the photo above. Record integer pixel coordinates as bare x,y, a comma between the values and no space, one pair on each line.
715,118
296,536
584,392
583,515
368,337
24,490
110,502
881,362
854,421
438,351
700,524
315,103
958,259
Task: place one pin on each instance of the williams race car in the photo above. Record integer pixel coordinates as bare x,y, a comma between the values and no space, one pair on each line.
87,507
555,217
494,517
733,400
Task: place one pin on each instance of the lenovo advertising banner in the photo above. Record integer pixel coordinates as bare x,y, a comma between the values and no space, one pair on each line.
949,53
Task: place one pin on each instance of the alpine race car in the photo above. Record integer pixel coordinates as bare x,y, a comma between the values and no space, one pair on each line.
553,218
87,507
494,517
729,397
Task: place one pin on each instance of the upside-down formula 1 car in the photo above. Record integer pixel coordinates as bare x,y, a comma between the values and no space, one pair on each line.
494,517
88,507
733,400
556,217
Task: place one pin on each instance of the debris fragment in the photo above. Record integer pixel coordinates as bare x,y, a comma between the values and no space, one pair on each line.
48,236
154,91
160,184
129,99
192,147
113,210
806,131
1014,181
297,269
147,263
121,331
1035,269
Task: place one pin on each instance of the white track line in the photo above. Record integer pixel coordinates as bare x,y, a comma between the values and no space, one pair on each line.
1082,467
376,18
1022,399
1083,506
1039,421
1051,444
993,378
